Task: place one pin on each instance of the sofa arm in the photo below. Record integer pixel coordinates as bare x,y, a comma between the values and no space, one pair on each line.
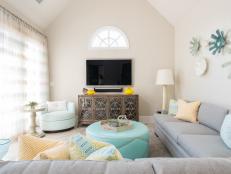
71,107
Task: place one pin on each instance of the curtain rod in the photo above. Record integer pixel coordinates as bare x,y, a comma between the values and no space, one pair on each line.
24,22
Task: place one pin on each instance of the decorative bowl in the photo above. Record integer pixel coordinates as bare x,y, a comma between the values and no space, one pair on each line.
129,91
116,125
90,92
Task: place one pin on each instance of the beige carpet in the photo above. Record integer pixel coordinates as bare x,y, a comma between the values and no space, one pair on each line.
157,149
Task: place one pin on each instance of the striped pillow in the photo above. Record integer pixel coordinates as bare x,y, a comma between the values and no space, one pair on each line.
30,146
80,147
108,153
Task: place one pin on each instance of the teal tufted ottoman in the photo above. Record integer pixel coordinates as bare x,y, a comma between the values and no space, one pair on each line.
132,144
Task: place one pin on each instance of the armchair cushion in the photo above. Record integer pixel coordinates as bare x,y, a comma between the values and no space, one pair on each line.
57,116
57,106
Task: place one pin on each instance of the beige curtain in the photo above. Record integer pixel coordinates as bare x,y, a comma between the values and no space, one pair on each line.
23,72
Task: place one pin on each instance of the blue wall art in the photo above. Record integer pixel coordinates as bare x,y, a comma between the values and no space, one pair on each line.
195,46
217,43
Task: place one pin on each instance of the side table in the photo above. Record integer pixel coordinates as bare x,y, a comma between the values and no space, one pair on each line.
33,125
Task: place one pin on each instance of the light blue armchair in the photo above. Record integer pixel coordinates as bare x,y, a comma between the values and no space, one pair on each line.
58,120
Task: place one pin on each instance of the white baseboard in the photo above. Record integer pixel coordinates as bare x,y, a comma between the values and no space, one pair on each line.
147,119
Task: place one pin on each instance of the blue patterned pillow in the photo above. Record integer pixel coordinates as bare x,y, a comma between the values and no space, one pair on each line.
226,131
80,147
108,153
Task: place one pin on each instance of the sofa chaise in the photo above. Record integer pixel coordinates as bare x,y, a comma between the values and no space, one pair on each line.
202,139
142,166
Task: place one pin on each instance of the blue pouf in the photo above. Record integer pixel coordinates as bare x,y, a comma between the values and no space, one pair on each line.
4,146
132,143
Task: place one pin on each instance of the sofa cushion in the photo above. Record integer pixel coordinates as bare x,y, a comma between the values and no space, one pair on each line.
76,167
162,118
57,116
56,106
204,145
190,165
175,129
212,115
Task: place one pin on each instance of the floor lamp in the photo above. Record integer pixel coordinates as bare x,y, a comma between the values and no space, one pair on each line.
164,78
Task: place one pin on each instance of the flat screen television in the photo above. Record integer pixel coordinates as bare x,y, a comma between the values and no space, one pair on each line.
109,72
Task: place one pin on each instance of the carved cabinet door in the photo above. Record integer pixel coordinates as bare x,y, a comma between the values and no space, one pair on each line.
130,107
100,108
115,107
85,108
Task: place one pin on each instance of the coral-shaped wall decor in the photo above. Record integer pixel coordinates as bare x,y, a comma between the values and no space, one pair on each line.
218,42
195,46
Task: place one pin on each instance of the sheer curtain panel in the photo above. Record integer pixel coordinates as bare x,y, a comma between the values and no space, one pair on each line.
23,72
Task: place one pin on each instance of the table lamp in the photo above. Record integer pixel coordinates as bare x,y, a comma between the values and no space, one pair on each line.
164,78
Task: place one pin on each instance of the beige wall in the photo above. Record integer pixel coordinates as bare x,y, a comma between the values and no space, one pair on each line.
151,46
201,22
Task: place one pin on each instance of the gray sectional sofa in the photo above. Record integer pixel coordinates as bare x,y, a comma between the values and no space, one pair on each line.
202,139
143,166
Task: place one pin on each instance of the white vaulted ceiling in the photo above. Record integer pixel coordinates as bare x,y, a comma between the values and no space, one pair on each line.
174,10
41,14
44,13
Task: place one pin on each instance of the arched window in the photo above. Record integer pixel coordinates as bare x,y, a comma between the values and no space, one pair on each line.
109,37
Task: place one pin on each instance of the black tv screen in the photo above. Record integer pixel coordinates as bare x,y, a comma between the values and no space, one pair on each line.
109,72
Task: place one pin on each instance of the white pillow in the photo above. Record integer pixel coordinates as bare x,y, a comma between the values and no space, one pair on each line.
226,131
57,106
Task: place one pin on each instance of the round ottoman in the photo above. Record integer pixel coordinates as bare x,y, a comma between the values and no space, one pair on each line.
132,143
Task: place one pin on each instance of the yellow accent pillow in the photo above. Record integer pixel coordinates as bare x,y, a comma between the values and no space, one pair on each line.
30,146
59,152
187,111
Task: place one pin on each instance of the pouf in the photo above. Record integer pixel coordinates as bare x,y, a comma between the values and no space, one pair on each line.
132,143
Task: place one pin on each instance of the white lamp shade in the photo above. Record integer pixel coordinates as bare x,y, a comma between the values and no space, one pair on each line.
164,77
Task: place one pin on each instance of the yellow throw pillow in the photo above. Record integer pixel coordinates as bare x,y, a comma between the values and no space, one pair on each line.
59,152
30,146
187,111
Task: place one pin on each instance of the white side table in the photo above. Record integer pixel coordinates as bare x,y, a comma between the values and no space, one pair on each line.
33,131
